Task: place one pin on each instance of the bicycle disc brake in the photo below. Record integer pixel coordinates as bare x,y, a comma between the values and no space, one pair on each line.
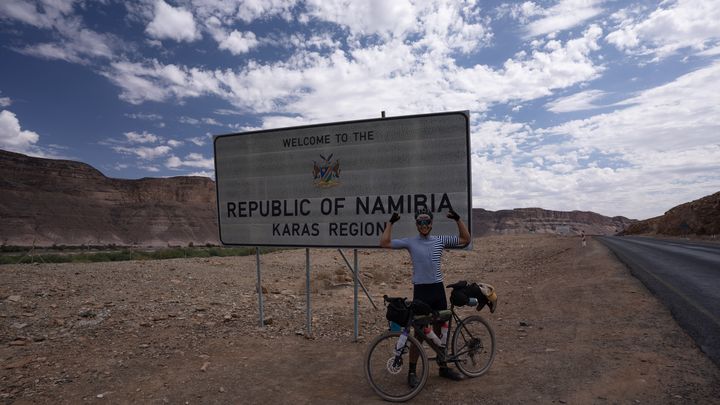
394,365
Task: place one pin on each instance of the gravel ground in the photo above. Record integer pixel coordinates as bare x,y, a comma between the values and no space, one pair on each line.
573,326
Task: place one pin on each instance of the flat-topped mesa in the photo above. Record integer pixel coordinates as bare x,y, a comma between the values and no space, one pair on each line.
47,202
538,220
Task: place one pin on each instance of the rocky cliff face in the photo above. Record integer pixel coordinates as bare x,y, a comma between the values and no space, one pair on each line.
46,202
538,220
700,217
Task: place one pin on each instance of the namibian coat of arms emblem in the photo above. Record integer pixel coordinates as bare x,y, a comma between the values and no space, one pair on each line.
327,172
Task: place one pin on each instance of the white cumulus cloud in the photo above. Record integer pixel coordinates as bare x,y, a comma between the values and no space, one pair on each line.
13,137
144,152
194,160
312,87
70,39
144,137
247,11
239,42
202,173
366,17
675,116
584,100
564,15
198,140
153,81
691,24
40,14
172,23
655,149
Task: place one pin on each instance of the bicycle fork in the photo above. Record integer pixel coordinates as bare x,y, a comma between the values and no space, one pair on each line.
399,349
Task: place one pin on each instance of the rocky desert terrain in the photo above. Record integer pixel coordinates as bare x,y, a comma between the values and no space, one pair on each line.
700,218
538,220
573,326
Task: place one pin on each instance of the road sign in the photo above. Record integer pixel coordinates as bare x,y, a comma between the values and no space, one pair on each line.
335,185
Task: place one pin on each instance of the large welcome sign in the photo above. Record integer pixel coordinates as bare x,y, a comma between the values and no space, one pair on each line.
335,185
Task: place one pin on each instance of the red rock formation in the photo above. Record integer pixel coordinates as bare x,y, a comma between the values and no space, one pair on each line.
538,220
46,202
700,217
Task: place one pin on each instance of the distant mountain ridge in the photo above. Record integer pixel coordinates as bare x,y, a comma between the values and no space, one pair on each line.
45,202
538,220
700,217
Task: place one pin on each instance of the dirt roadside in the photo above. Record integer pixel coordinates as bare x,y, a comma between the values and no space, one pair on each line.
186,331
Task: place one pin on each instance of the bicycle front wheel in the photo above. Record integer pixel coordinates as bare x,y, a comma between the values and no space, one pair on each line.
388,374
473,345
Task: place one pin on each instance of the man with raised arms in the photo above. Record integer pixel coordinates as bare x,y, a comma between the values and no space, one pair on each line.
426,251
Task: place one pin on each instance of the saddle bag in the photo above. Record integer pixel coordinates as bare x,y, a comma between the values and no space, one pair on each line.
463,291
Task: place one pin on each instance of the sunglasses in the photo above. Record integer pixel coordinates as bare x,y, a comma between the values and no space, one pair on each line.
421,222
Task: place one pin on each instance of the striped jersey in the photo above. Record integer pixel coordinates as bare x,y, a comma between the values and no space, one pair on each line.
425,253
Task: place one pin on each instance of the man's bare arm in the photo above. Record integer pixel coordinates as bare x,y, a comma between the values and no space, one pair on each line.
386,237
463,233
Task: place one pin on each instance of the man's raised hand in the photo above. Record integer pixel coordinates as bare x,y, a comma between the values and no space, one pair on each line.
453,215
394,218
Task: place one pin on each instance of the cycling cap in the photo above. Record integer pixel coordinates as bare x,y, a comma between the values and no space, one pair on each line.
423,211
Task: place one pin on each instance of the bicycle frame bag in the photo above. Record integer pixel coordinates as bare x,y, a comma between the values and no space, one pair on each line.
421,308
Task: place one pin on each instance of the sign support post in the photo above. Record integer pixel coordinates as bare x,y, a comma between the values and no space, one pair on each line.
355,288
259,287
307,292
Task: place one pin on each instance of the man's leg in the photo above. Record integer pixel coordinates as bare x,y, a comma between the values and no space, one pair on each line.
413,381
439,305
445,371
412,368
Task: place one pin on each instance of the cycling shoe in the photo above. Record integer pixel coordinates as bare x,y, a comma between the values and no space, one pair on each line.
451,374
413,380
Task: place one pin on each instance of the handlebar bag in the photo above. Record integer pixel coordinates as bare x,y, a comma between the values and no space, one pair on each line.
398,312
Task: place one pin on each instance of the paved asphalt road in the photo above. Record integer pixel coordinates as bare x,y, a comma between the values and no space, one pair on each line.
685,276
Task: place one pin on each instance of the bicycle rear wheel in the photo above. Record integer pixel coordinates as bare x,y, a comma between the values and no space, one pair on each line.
473,344
388,377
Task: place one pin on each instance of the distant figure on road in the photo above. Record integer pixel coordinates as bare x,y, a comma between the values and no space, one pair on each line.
582,236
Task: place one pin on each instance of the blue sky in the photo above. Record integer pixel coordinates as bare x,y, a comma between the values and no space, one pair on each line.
604,106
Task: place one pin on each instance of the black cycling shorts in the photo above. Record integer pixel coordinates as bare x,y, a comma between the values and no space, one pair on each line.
431,294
